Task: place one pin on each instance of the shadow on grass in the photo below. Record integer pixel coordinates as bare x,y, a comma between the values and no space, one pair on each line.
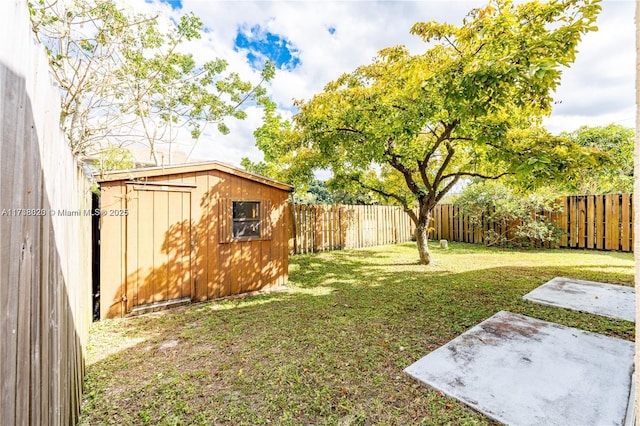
332,348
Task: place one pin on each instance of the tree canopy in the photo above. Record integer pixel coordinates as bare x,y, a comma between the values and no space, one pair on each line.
615,172
128,78
410,127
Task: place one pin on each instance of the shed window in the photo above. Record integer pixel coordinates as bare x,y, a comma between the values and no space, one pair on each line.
246,219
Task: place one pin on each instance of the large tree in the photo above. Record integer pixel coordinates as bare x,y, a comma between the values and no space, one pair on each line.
615,174
412,127
129,78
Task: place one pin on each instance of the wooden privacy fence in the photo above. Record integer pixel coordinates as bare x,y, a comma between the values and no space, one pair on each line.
599,222
45,240
314,228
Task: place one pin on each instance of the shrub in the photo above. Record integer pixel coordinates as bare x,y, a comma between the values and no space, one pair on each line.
519,220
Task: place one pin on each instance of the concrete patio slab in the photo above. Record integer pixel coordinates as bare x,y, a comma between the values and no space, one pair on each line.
613,301
523,371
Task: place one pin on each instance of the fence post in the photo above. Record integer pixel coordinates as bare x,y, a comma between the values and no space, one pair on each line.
627,228
292,228
591,225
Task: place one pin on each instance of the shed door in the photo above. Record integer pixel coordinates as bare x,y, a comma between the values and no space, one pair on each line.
159,249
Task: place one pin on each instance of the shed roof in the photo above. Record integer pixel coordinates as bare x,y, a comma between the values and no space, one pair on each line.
189,168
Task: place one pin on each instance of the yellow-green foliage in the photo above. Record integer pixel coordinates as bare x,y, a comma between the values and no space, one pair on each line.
521,218
410,127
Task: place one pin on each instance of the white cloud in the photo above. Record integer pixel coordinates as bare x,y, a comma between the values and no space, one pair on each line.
237,144
597,89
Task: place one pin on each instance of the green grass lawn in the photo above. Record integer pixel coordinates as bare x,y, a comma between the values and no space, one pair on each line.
331,348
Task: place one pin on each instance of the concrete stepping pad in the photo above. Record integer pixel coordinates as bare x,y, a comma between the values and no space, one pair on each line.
613,301
523,371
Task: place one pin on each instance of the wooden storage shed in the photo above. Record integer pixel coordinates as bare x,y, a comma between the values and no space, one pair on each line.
194,232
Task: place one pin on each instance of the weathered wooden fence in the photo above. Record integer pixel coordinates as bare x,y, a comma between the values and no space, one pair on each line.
599,222
45,261
314,228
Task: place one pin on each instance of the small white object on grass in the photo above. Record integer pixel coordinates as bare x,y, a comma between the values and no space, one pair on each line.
444,244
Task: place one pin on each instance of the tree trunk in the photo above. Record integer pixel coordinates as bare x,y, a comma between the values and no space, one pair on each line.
422,238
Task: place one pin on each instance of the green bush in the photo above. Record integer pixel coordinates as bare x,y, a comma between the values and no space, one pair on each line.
518,220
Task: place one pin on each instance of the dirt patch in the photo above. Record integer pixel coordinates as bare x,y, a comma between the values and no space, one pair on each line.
507,328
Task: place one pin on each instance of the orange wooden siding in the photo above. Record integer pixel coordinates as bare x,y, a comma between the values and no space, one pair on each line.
175,245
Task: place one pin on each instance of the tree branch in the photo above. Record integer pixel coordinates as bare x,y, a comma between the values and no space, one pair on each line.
478,49
346,129
433,132
425,178
499,148
445,135
401,200
439,175
478,175
447,188
394,161
253,90
453,45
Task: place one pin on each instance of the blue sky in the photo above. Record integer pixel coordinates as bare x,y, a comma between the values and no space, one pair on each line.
313,42
175,4
260,45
